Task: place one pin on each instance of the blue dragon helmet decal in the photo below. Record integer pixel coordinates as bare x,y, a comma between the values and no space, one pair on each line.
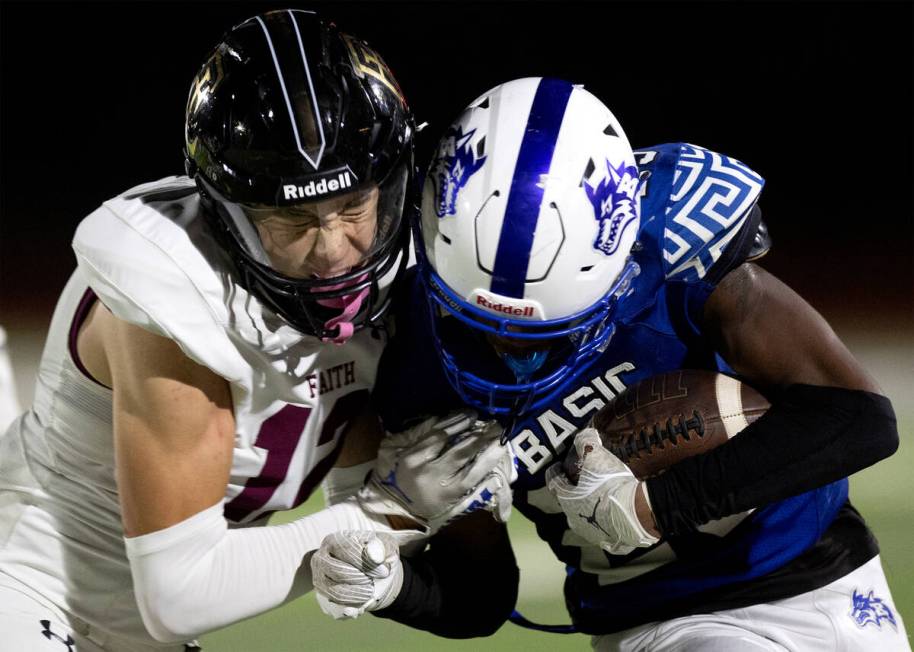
613,200
455,163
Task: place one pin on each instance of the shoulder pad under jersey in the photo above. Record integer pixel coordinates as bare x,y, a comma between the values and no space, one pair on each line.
704,199
148,260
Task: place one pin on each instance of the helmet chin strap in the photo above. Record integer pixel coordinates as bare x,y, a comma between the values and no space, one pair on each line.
349,304
524,366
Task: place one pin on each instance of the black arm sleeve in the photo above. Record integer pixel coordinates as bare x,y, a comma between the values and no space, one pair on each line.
811,436
453,591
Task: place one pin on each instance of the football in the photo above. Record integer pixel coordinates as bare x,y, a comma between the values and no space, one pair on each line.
669,417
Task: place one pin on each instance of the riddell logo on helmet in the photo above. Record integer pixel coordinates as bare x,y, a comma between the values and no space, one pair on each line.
318,188
525,311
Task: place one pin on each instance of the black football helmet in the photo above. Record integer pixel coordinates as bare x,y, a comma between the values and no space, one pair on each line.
288,109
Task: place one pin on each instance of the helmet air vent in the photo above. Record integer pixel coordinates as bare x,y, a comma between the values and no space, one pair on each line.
588,170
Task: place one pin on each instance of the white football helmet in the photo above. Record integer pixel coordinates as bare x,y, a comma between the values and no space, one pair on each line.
529,211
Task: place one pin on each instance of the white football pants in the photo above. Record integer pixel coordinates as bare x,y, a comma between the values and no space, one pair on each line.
829,619
29,624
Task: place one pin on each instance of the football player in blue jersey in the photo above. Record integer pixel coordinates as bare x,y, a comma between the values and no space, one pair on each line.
556,267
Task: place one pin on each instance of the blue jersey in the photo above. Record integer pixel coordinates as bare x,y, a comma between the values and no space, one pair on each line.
698,222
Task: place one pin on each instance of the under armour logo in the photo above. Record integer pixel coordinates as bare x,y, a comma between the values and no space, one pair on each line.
592,519
48,634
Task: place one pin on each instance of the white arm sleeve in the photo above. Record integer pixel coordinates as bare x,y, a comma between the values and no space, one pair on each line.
343,482
198,575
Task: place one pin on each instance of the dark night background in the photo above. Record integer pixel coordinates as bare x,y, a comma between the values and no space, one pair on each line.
817,97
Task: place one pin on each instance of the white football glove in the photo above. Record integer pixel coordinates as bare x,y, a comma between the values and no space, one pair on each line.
354,572
440,469
600,508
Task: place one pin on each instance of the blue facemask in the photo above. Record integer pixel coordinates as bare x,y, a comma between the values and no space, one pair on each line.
589,331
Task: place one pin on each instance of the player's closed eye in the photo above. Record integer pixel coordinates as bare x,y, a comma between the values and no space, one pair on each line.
355,208
359,205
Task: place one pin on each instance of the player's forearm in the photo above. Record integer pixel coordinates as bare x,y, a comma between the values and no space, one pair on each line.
810,437
455,592
198,575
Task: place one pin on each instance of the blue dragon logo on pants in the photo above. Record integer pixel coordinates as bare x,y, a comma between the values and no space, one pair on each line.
869,609
613,200
455,164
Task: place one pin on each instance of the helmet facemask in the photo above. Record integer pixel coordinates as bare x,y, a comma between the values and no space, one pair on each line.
330,307
483,354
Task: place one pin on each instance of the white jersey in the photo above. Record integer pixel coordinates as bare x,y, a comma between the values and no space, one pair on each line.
9,402
149,257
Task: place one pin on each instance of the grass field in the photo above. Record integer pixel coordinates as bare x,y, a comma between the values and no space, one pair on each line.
882,493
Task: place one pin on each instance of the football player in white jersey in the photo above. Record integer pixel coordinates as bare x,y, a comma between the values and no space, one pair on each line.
9,400
212,357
